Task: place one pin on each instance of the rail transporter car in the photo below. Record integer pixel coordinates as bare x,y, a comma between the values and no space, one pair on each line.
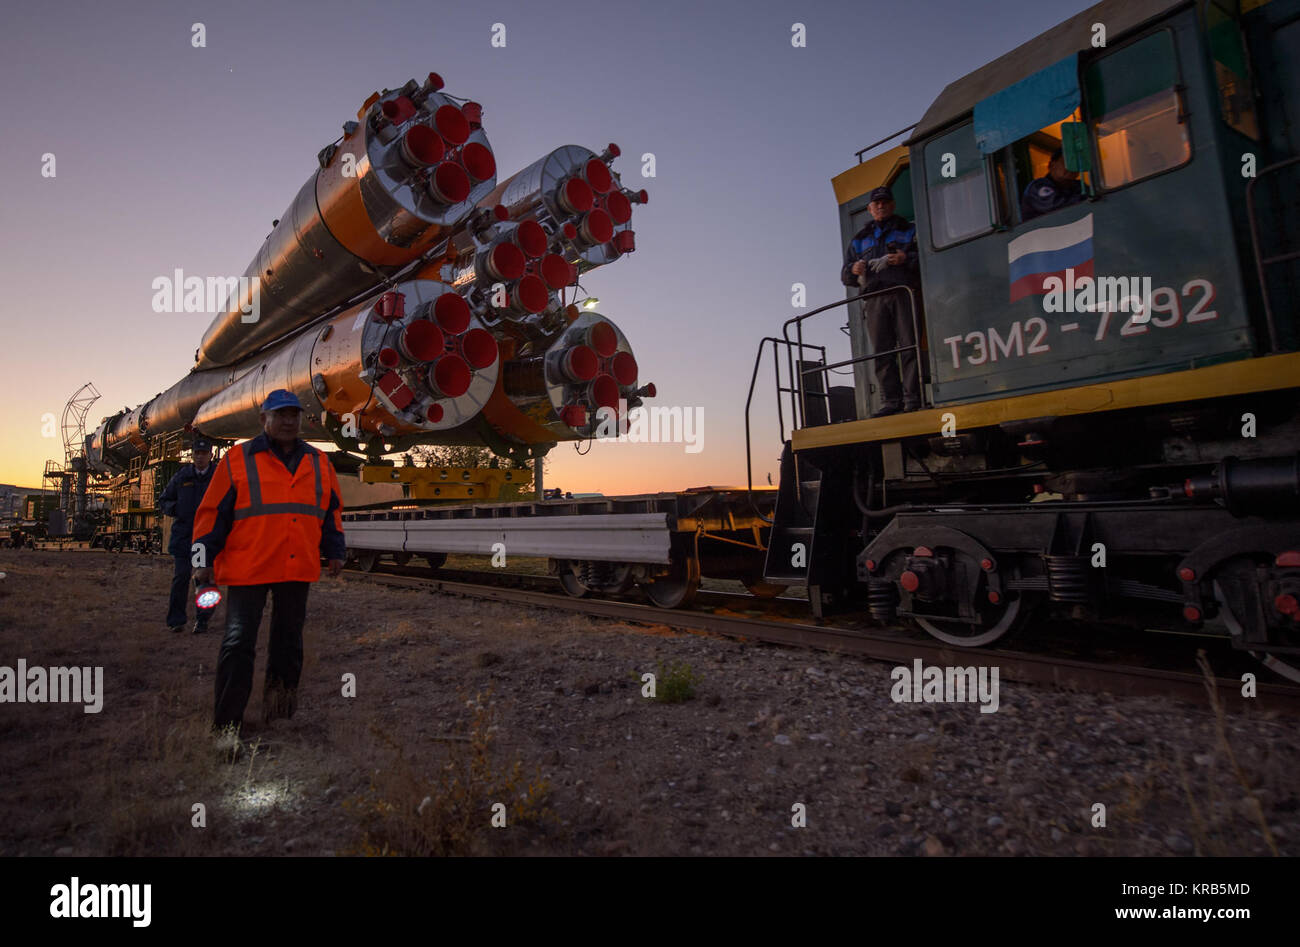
1101,463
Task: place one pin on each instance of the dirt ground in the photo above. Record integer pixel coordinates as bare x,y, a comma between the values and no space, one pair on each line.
465,713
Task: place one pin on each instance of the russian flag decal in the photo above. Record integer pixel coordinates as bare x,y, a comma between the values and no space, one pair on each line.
1049,251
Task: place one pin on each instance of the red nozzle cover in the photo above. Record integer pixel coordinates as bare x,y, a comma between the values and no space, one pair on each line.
449,183
451,124
617,206
452,313
398,110
450,376
602,337
624,369
574,415
478,160
598,176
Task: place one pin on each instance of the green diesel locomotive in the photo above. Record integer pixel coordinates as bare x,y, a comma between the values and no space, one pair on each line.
1110,418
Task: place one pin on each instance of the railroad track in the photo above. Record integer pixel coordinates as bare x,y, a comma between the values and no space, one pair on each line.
783,621
780,624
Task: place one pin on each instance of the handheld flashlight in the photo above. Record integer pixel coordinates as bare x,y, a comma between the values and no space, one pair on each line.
208,598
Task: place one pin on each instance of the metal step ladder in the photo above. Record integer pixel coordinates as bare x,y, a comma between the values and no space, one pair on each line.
794,530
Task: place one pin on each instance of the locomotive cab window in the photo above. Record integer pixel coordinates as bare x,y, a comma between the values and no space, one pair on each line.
1029,160
1137,111
901,185
957,188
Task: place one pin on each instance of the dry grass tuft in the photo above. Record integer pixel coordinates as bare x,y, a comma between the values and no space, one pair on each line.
456,810
1249,802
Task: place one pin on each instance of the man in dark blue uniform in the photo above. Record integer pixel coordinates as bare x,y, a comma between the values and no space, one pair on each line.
880,256
1059,188
181,499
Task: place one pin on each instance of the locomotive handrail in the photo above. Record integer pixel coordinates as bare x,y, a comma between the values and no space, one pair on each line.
876,144
797,389
780,415
798,321
796,379
1260,260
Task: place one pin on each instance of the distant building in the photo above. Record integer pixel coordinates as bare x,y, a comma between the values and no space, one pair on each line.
13,500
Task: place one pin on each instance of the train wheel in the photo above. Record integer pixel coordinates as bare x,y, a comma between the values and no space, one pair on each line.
677,588
1270,661
996,621
975,636
401,558
368,560
435,560
570,582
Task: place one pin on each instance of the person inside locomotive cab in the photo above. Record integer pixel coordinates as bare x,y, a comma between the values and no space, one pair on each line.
1058,188
883,255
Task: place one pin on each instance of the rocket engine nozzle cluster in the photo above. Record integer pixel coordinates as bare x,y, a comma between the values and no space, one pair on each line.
401,178
581,380
406,296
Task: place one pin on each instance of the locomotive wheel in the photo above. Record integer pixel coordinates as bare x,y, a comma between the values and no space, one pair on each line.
368,560
435,560
996,622
1270,661
760,589
401,558
974,636
677,588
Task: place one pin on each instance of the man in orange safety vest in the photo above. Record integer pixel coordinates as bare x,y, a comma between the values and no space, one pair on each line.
271,512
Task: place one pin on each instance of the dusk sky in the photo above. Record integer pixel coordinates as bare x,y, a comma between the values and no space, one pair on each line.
170,156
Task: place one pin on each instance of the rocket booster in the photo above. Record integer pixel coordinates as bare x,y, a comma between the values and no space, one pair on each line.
575,194
406,297
407,172
411,361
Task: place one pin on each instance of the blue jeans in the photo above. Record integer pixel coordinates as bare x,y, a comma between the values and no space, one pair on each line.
244,607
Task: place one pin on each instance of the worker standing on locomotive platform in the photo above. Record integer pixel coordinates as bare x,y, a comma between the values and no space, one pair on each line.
181,500
882,255
272,512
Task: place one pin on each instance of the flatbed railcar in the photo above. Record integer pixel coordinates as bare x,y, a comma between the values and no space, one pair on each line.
665,543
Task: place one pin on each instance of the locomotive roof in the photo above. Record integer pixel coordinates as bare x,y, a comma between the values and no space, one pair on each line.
1071,36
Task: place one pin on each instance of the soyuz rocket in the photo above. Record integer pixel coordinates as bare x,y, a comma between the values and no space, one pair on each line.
408,297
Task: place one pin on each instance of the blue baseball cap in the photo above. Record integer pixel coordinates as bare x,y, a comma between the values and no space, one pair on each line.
201,443
281,398
881,194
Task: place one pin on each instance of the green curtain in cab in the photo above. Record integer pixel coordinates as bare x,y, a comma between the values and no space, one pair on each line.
1034,102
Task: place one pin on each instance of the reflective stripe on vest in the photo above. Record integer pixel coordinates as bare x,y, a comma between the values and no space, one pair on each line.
257,508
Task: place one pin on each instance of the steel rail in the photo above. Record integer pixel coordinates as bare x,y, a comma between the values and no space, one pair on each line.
1119,680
